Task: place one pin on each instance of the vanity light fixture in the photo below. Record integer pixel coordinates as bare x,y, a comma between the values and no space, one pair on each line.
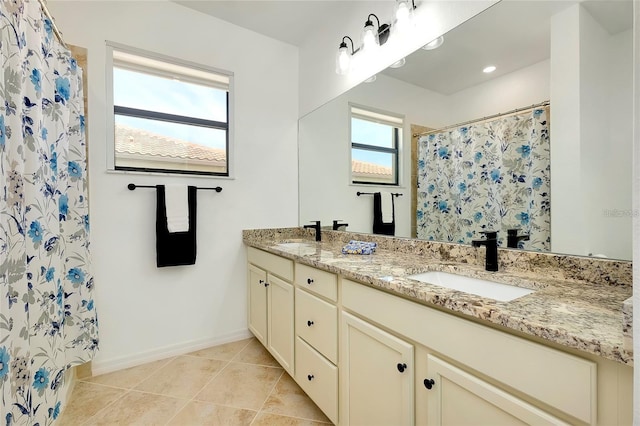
489,69
372,37
343,58
399,63
371,79
434,44
404,15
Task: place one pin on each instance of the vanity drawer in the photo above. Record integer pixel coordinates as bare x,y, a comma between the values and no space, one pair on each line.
318,378
317,324
316,281
270,262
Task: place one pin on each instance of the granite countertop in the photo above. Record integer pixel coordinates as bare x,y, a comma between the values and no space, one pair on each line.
579,314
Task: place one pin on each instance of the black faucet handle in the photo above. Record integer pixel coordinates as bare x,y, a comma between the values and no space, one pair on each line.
337,224
490,234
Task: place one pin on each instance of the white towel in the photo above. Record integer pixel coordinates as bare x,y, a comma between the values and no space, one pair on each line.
386,205
177,208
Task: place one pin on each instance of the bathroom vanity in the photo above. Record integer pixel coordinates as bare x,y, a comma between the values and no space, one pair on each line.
372,346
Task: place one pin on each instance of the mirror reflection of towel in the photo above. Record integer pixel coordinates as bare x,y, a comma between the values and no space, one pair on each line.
380,227
177,248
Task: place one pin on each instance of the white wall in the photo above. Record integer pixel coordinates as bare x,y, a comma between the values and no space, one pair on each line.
318,81
526,86
591,131
566,231
146,312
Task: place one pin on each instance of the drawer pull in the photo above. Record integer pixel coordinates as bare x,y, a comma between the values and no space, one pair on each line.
402,367
309,323
309,281
428,383
310,377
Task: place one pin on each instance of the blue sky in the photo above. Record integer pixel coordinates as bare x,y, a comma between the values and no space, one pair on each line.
144,91
371,133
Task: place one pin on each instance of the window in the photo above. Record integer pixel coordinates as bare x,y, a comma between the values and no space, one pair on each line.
169,117
375,142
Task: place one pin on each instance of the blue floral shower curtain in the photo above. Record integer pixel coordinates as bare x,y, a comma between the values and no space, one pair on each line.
484,177
47,315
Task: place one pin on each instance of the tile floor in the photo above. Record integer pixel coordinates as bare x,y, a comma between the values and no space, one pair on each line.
237,383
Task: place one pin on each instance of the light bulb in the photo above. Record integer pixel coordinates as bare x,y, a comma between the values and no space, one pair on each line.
343,60
403,14
369,37
489,69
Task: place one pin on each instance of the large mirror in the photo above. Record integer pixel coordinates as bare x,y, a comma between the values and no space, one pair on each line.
577,56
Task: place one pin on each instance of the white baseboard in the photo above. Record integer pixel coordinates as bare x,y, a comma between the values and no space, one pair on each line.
109,365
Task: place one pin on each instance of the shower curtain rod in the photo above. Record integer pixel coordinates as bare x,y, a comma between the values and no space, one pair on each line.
56,31
479,120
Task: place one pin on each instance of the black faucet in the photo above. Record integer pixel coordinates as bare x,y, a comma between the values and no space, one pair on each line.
491,242
513,238
316,226
337,224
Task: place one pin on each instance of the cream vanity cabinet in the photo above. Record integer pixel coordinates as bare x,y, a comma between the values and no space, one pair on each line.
316,325
367,357
469,373
271,299
378,377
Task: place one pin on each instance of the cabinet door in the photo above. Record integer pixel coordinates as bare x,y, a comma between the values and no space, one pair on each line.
280,318
258,303
459,398
376,376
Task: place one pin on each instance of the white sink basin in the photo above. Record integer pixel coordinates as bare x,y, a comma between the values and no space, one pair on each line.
479,287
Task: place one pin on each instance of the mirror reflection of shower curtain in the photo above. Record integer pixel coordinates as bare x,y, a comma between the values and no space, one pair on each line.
492,175
48,320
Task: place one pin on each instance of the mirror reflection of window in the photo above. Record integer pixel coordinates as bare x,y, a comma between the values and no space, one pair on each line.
376,138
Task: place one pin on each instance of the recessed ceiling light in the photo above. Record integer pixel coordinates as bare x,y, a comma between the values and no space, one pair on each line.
434,44
489,69
371,79
399,64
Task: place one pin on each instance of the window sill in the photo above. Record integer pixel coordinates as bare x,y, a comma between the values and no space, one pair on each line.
167,175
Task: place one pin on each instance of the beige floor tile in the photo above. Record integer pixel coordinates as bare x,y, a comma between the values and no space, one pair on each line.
204,414
129,378
85,401
289,399
183,377
241,385
268,419
255,353
224,352
138,408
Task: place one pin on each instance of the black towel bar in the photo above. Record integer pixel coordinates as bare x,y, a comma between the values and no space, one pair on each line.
133,186
395,194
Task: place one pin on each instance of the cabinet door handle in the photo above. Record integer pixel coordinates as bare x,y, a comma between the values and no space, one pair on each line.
266,284
309,281
310,377
309,323
402,367
261,281
429,383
